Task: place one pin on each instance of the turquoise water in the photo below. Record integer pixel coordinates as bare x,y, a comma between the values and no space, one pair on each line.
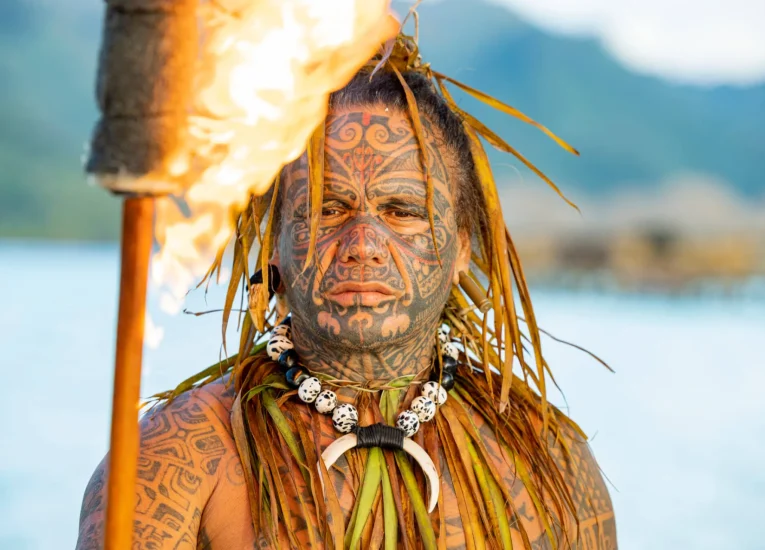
679,429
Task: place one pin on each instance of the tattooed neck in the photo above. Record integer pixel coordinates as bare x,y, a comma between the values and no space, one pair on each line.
382,363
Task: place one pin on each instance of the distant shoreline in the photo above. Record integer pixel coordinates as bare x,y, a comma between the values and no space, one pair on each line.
601,281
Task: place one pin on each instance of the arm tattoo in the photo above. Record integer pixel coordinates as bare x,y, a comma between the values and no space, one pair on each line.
92,512
181,449
94,493
597,524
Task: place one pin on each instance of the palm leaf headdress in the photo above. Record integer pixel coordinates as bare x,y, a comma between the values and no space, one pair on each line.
493,343
496,264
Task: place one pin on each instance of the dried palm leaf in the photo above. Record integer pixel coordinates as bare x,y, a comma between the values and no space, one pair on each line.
389,509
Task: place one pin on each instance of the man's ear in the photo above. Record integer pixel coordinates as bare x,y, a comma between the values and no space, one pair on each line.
275,261
463,256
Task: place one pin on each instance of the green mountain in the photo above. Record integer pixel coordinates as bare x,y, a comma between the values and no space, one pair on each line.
629,128
47,65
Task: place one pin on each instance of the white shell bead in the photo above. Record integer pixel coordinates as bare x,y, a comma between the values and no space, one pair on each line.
326,401
434,392
424,407
278,344
309,389
451,350
282,330
345,417
408,422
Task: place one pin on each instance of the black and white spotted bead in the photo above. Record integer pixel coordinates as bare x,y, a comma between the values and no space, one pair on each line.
282,330
309,389
408,422
278,344
424,408
345,417
434,392
326,401
450,349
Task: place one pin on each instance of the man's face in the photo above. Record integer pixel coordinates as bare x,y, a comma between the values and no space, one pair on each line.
375,278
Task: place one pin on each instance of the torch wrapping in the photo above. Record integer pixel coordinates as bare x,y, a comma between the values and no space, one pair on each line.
144,87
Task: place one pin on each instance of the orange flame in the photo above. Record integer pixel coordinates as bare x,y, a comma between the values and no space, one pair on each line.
265,76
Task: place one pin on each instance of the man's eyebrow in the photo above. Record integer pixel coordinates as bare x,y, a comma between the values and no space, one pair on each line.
336,200
405,201
345,195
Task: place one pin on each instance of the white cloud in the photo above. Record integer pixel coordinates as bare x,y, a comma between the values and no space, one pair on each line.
698,41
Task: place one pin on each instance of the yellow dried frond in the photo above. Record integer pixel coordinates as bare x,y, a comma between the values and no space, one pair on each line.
420,135
505,108
315,155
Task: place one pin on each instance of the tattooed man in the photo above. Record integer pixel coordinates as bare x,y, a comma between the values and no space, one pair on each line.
365,311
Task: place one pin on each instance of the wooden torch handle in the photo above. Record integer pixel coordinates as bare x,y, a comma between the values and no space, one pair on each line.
137,237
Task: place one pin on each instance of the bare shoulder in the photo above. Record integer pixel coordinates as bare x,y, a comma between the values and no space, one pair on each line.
184,446
589,491
194,429
593,526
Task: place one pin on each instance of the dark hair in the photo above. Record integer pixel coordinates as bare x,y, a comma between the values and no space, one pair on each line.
385,89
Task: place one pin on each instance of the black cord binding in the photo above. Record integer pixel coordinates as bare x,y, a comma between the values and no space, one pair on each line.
380,435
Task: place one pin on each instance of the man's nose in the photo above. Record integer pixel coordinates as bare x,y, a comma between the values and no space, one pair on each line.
363,244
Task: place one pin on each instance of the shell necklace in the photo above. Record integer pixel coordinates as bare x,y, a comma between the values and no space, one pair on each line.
345,417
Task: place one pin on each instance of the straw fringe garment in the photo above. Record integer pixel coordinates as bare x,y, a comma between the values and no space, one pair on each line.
275,433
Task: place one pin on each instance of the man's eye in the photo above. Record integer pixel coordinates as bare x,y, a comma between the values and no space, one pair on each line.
330,212
405,214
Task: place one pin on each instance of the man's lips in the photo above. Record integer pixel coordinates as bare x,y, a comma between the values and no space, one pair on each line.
364,294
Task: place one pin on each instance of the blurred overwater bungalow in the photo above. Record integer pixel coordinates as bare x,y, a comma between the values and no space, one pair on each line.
689,235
